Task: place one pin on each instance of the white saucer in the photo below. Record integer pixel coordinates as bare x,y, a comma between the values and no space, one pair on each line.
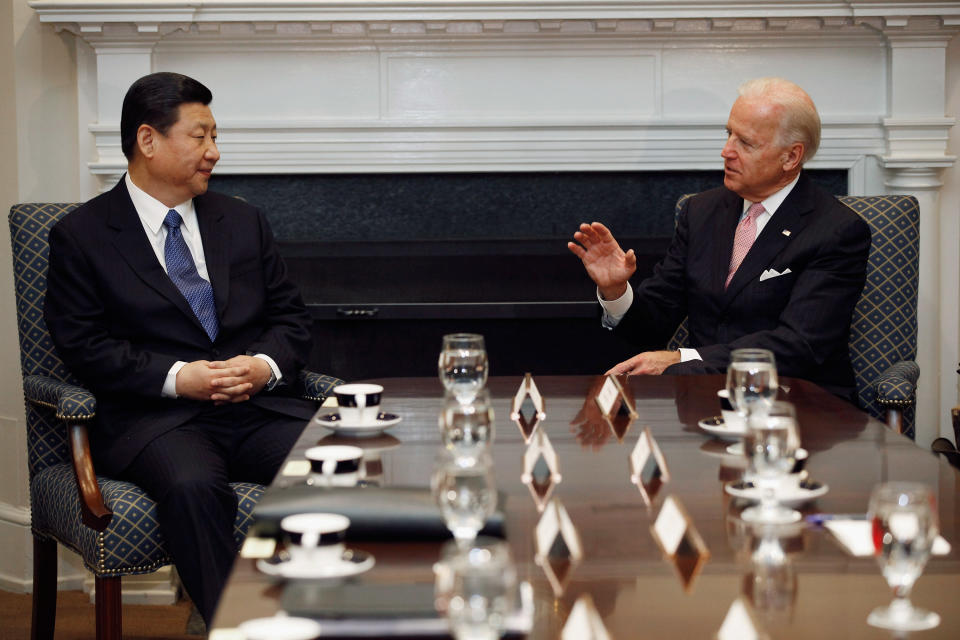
789,495
352,564
358,430
280,628
716,427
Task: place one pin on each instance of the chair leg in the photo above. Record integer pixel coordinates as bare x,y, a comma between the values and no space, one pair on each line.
895,420
44,614
108,608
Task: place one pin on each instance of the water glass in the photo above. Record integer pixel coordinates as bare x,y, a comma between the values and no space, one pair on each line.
904,523
465,492
772,452
483,590
463,365
467,428
751,380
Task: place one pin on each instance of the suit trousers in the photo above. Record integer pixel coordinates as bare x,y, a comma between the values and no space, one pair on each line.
187,472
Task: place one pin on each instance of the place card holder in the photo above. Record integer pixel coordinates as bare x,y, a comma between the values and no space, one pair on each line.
584,622
558,550
678,538
741,623
616,405
527,401
648,467
541,469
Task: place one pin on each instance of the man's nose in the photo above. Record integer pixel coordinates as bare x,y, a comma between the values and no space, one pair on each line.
727,151
212,152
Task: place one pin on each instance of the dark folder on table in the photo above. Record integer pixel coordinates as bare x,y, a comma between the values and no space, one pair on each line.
376,513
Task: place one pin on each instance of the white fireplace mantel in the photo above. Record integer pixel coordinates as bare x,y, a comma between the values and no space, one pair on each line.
304,86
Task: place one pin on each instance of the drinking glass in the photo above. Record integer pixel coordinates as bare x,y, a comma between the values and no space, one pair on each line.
904,524
466,428
482,590
465,492
772,454
751,380
463,365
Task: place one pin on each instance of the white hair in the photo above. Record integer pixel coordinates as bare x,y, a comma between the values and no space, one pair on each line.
800,121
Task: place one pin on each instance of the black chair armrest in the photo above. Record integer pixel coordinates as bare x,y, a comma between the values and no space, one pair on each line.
897,386
317,386
75,406
897,390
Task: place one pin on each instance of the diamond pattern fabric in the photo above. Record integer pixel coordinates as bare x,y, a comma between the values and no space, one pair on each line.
183,271
131,543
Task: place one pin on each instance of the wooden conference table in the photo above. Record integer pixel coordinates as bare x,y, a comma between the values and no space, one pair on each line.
637,591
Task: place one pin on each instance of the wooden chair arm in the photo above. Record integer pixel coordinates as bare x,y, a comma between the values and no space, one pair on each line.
93,511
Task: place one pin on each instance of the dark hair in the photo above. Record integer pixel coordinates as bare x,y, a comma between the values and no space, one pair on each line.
155,100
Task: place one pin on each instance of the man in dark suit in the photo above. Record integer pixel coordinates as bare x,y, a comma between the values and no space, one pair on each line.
768,260
173,305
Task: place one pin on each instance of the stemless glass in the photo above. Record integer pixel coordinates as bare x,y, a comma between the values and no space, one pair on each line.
463,365
466,428
771,449
483,590
465,492
904,522
751,380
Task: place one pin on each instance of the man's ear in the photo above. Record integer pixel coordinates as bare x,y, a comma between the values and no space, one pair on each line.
147,140
793,157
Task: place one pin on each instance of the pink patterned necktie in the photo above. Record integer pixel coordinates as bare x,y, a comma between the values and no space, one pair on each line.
743,240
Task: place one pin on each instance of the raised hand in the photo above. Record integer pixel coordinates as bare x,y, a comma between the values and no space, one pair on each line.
606,263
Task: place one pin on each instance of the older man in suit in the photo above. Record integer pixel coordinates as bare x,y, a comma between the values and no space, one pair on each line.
768,260
173,305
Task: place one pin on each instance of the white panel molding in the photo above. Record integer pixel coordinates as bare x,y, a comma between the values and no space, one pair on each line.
15,514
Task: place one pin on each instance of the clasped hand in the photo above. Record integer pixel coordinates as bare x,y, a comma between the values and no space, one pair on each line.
223,381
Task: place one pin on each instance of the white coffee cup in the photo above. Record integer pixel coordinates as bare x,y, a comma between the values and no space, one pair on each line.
731,418
336,465
280,627
315,537
358,403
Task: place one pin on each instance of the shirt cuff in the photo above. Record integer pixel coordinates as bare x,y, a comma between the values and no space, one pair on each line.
170,383
614,310
686,355
273,367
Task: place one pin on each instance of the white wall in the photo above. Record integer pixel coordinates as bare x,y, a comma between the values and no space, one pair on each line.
38,128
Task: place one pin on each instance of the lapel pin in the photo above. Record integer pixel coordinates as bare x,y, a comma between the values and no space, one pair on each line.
786,232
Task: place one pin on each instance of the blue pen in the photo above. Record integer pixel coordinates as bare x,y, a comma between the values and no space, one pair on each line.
819,519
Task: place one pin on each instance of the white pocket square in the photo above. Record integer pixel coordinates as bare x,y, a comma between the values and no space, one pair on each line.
773,273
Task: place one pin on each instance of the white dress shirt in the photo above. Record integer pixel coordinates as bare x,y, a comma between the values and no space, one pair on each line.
614,310
152,213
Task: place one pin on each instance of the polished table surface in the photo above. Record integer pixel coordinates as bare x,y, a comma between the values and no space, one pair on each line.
638,592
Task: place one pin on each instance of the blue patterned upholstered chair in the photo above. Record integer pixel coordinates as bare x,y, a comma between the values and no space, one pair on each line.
110,524
883,331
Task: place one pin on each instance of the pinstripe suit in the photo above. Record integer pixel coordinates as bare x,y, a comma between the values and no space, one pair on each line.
802,316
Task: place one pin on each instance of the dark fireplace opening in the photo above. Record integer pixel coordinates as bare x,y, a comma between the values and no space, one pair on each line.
388,263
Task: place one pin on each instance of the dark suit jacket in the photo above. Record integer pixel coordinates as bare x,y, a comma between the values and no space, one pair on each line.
803,316
119,323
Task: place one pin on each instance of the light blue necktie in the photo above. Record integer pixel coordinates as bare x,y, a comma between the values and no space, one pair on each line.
183,271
